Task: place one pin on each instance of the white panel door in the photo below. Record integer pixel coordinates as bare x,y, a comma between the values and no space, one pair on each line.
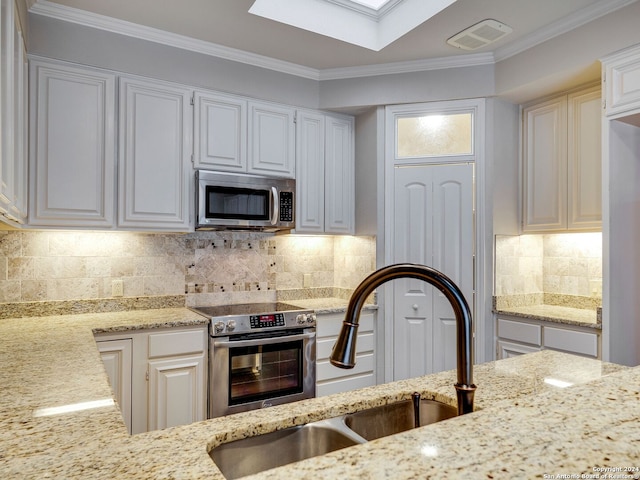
453,240
177,392
155,153
73,146
117,358
272,140
433,226
220,133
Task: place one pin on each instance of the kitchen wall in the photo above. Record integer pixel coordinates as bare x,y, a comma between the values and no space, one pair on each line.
210,268
555,269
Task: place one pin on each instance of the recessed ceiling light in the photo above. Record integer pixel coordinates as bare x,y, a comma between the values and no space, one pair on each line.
481,34
372,24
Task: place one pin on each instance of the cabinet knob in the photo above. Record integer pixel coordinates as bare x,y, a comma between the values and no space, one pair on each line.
414,306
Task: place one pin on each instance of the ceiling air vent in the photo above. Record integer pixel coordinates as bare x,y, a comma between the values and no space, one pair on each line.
480,34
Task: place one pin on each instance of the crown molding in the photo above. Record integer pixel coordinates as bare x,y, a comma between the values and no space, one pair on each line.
469,60
564,25
130,29
122,27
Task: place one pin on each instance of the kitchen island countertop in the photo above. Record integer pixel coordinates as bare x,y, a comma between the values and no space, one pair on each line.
525,426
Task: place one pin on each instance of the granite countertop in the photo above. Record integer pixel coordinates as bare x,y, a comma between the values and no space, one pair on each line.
523,427
328,305
581,317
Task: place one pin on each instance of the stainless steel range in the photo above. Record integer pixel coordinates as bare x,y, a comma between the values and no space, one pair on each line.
260,354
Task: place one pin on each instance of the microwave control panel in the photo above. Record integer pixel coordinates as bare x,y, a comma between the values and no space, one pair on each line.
286,206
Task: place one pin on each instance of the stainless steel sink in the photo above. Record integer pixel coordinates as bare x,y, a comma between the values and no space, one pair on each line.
256,454
396,417
263,452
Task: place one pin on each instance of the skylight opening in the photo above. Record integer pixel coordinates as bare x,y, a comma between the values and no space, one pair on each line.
371,24
374,4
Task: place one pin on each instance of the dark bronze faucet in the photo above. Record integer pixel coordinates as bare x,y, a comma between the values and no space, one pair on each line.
344,351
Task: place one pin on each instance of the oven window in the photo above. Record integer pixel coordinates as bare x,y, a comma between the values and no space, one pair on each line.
237,203
260,372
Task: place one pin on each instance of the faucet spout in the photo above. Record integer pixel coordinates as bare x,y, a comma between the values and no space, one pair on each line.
344,351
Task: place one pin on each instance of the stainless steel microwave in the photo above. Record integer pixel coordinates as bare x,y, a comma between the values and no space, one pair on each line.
231,201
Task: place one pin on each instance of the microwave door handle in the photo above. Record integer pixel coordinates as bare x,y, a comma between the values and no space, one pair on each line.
276,206
262,341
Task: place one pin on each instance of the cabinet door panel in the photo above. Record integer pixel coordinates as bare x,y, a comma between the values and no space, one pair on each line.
508,349
623,82
271,140
220,135
584,160
117,358
339,176
545,166
6,102
177,395
73,155
155,149
310,173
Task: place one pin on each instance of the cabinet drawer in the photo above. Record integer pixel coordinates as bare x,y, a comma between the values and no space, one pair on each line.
324,346
571,341
520,331
344,384
330,325
326,371
176,343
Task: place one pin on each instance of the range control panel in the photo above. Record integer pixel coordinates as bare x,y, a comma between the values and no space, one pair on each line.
269,320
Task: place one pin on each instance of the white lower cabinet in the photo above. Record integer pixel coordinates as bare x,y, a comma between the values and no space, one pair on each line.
510,349
331,379
517,336
166,376
117,357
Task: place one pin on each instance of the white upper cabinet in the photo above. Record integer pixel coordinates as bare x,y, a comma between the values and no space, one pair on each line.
584,155
13,117
622,81
310,172
220,135
72,146
339,188
234,134
272,139
154,169
325,182
562,163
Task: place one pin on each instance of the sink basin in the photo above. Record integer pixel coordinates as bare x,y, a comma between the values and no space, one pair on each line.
263,452
396,417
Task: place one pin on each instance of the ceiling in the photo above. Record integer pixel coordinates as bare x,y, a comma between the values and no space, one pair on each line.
227,23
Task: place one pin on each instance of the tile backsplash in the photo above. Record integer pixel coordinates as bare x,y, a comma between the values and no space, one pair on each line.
206,267
547,266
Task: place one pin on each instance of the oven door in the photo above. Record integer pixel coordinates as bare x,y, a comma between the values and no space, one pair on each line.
256,371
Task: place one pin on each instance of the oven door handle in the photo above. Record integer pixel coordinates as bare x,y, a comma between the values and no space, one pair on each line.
263,341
